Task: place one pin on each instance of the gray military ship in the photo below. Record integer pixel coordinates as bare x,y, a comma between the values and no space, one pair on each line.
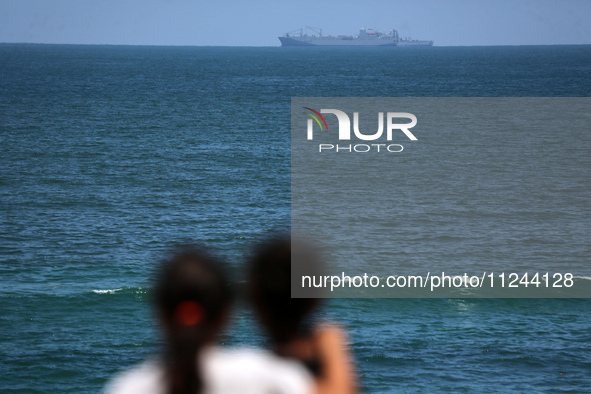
366,37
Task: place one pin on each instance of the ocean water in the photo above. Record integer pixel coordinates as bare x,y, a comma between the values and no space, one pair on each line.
110,154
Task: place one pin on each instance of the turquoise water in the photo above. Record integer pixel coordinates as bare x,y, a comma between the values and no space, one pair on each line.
110,154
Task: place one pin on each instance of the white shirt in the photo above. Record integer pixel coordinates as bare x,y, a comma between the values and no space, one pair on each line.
244,371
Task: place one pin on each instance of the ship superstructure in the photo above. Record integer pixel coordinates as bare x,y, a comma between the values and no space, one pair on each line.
366,37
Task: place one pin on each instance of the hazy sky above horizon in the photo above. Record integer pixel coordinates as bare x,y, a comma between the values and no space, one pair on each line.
259,23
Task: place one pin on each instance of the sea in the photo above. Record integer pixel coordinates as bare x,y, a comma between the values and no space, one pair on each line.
111,155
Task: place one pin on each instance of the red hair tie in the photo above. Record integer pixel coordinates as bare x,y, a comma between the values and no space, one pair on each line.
189,313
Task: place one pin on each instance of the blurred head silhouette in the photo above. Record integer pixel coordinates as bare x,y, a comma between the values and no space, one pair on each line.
270,277
192,297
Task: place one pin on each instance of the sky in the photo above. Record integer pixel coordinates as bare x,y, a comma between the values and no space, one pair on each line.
260,22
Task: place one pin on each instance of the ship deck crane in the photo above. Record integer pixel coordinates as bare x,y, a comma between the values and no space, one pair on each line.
315,30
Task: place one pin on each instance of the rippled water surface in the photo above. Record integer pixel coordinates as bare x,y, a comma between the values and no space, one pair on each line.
109,154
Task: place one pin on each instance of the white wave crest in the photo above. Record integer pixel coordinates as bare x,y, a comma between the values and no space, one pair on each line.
108,291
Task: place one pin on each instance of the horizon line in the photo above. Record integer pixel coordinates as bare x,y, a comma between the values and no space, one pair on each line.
275,46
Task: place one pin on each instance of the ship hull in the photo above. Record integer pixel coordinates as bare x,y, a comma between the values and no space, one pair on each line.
329,41
415,43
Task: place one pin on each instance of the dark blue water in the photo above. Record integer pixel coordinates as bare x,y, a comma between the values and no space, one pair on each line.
109,154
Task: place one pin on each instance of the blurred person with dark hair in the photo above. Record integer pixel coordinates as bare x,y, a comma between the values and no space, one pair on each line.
289,321
192,299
